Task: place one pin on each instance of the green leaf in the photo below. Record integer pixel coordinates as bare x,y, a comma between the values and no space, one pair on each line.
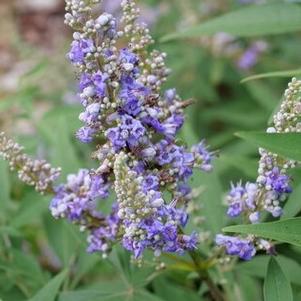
276,285
84,295
257,20
257,267
63,153
246,165
31,208
263,95
284,73
293,206
287,230
169,291
287,145
51,289
64,238
210,198
10,231
96,295
132,275
248,287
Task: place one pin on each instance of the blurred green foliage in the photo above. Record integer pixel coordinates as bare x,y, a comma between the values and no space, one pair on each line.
45,260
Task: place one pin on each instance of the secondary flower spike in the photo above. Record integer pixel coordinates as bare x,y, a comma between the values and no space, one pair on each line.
139,159
273,184
37,173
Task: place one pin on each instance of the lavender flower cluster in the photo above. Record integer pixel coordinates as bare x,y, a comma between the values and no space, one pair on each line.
273,184
141,162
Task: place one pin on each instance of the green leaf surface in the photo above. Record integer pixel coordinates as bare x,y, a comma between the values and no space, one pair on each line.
96,295
254,20
210,198
287,230
284,73
64,238
287,145
85,295
51,289
63,153
293,205
257,267
33,205
276,285
169,291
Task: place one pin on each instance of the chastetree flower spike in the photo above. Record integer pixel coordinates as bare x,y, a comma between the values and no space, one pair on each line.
273,184
141,164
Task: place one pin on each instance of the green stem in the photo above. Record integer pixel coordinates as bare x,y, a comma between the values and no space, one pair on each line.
215,292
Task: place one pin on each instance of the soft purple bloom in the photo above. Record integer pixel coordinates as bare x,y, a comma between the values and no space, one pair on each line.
170,95
85,134
101,239
251,191
151,182
79,48
154,123
91,113
127,56
203,156
78,195
235,209
242,248
132,94
236,200
99,80
172,124
250,57
254,217
128,133
85,81
277,181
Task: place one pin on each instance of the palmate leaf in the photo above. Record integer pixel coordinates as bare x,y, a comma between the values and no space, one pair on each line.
169,291
127,283
64,239
259,20
287,145
287,230
257,267
51,289
276,285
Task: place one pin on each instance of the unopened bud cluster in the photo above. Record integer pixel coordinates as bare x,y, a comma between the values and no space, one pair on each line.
37,173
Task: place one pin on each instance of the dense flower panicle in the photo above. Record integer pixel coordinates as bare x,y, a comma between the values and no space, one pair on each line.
273,184
147,221
37,173
120,91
